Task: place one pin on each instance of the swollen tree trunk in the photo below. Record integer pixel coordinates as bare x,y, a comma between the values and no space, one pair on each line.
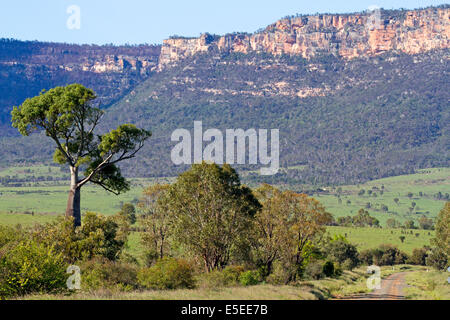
73,203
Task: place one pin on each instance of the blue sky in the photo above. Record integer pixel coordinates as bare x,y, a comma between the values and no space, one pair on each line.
140,21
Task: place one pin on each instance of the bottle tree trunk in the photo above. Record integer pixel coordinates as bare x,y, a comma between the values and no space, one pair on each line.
73,203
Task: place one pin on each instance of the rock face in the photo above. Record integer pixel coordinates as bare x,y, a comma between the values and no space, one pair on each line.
347,36
27,67
112,63
140,60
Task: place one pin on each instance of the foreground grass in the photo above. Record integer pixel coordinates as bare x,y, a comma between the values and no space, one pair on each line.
349,283
427,284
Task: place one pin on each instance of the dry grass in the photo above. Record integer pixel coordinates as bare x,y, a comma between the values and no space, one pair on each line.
427,284
348,283
260,292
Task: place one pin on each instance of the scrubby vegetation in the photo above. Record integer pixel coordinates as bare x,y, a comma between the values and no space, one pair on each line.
253,237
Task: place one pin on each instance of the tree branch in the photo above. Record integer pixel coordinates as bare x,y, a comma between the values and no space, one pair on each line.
105,187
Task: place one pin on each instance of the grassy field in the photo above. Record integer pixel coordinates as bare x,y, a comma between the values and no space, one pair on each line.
428,285
50,196
367,238
426,182
27,172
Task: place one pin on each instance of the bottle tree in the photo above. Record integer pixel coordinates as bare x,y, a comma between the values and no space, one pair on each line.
67,116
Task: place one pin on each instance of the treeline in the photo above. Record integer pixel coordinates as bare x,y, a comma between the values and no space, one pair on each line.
205,229
48,54
361,219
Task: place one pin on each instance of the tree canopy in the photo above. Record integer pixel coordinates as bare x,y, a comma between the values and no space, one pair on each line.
68,117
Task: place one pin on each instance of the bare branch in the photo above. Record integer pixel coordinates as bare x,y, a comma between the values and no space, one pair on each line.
96,170
105,187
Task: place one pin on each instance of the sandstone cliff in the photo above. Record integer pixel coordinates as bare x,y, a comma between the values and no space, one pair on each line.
140,60
348,36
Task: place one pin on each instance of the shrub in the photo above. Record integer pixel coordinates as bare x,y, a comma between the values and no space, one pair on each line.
98,236
101,273
344,253
227,277
366,257
390,256
9,234
328,269
337,269
281,273
249,278
437,259
30,267
232,273
348,264
418,257
167,273
314,270
385,255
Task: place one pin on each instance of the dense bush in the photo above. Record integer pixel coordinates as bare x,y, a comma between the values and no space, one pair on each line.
418,257
9,234
437,259
249,278
101,273
30,267
230,276
328,269
343,252
98,236
385,255
167,273
281,273
366,257
314,270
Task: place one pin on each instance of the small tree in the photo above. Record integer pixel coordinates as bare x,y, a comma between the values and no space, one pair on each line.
128,211
426,223
392,223
402,238
211,213
268,228
67,116
409,224
442,239
303,225
156,221
343,252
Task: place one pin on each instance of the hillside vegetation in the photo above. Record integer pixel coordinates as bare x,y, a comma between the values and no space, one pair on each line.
368,118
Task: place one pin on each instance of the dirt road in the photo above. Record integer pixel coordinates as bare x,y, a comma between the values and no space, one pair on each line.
391,289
